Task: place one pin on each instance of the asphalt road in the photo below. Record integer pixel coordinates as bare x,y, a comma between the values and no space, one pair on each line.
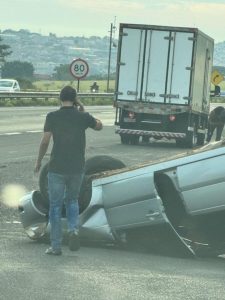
99,273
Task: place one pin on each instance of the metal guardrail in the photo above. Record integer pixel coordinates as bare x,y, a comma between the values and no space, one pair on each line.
55,94
46,95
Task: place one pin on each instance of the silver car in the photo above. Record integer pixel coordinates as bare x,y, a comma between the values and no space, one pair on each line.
172,207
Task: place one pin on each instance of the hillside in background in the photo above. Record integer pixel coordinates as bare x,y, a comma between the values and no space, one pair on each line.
47,52
219,55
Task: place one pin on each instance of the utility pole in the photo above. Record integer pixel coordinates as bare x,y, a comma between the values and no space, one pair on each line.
112,31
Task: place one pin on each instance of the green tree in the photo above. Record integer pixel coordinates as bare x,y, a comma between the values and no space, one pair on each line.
62,72
4,51
18,69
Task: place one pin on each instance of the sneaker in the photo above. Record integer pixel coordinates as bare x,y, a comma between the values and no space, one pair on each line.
52,251
74,242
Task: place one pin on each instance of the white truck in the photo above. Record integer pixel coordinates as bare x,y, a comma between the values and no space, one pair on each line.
163,83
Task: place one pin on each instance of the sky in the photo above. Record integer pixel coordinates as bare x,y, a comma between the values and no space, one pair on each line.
93,17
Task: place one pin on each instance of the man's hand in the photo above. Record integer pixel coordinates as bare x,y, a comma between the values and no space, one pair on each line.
81,108
98,125
79,104
37,167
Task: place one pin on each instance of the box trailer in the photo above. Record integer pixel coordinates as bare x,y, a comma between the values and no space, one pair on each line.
163,83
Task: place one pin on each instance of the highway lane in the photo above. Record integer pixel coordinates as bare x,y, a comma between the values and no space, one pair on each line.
21,128
95,273
15,120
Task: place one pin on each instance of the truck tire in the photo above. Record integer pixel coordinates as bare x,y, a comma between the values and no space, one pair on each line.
180,143
134,139
191,140
191,137
125,138
200,139
93,165
145,139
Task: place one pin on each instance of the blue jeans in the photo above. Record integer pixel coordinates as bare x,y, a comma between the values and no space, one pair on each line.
63,189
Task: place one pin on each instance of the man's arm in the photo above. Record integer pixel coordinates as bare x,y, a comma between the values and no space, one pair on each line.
98,125
42,149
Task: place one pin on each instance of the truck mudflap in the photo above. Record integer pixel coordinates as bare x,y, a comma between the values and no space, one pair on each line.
156,134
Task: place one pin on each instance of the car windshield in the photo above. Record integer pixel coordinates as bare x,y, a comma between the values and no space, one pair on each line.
5,83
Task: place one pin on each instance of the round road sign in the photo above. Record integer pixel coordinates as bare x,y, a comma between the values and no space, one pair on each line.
79,68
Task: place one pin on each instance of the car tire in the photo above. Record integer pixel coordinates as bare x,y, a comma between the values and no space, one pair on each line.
93,165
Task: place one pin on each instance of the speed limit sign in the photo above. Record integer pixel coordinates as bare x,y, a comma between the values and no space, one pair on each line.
79,68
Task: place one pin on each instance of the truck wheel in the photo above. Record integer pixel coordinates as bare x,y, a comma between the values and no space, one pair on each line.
134,139
93,165
191,138
200,139
145,139
125,138
180,143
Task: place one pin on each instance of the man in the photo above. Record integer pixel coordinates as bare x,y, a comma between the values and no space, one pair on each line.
216,121
67,126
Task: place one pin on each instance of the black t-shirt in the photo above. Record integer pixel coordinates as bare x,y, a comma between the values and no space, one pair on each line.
68,126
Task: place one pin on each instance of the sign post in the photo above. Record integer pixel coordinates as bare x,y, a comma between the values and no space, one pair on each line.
79,69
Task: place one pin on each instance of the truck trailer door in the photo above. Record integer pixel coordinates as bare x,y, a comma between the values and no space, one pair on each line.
130,64
180,66
156,64
168,63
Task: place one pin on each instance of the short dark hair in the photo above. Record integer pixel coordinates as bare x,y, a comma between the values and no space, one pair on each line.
68,93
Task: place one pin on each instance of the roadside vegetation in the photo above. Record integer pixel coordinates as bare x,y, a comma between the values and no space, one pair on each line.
84,85
57,85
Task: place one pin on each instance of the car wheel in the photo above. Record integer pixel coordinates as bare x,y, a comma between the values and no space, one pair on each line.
93,165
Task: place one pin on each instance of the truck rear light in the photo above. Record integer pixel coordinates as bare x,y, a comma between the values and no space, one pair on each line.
172,118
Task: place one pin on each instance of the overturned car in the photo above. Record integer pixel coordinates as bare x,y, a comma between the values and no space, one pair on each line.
173,207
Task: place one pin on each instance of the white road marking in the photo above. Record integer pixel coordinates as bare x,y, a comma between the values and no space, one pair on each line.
105,123
12,133
13,222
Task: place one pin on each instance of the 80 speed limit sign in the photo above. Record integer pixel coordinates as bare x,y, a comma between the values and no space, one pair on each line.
79,68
